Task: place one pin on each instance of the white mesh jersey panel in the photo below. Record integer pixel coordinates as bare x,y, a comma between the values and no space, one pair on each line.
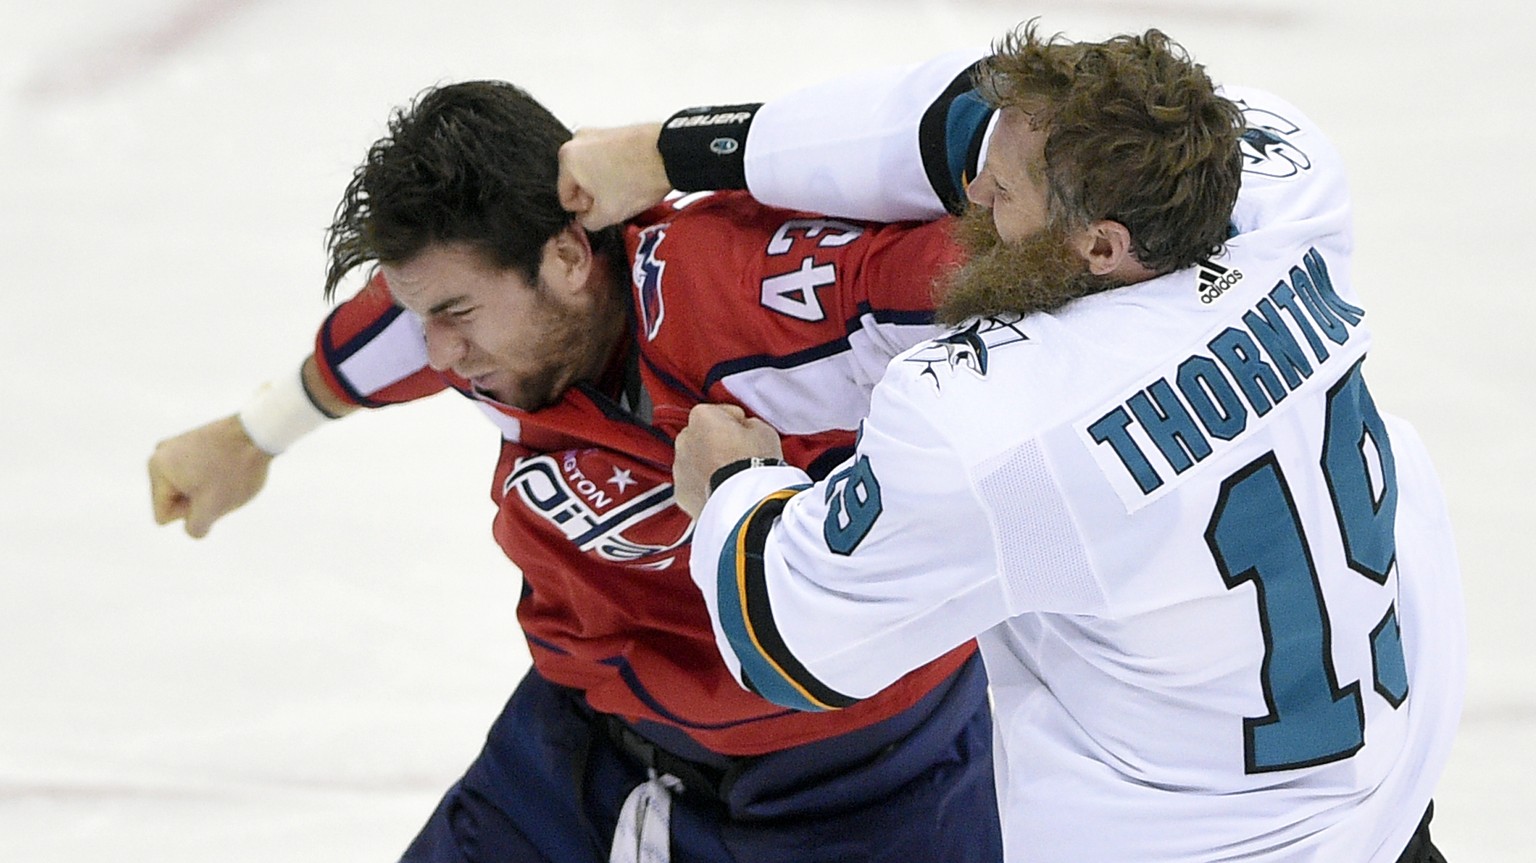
1044,565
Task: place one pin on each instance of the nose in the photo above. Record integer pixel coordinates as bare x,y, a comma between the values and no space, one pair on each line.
445,346
979,191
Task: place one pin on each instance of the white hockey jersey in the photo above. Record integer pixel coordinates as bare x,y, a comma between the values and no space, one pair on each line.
1214,585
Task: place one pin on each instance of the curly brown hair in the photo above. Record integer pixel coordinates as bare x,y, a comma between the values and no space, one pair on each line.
1135,133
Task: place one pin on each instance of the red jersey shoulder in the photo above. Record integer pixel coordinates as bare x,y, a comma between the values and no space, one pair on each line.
354,317
722,276
725,255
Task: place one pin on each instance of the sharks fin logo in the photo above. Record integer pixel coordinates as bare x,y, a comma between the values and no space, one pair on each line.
1267,144
967,347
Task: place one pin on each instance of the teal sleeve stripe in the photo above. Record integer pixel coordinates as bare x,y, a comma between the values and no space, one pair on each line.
966,125
949,139
768,668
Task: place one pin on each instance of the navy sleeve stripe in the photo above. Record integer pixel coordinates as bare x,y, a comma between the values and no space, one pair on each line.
335,356
897,317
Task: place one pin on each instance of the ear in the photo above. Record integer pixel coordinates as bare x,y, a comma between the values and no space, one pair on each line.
1106,246
567,262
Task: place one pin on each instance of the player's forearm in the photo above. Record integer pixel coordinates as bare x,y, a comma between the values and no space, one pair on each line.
320,392
289,407
873,146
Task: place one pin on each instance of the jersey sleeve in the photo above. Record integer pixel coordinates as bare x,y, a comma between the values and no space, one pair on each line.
824,594
888,145
371,352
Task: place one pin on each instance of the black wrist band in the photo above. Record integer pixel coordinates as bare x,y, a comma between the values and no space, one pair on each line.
705,148
739,465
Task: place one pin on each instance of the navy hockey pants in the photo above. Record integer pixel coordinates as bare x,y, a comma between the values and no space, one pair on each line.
1420,849
548,786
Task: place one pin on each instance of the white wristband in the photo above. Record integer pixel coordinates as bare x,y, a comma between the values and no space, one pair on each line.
279,413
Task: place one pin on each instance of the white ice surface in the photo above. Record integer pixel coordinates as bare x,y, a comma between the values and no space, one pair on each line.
303,684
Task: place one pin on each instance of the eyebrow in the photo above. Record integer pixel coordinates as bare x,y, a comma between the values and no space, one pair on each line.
447,304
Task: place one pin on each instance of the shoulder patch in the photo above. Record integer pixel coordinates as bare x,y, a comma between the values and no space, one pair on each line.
968,347
1268,146
650,305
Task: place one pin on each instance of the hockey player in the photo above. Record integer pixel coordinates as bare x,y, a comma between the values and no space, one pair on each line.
628,739
1214,585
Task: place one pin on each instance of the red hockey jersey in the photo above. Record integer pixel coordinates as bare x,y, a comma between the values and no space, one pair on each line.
791,316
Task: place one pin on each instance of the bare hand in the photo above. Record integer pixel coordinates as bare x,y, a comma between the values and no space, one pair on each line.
610,175
715,436
202,475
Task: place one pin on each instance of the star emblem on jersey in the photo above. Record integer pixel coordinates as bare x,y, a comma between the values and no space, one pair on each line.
615,527
968,347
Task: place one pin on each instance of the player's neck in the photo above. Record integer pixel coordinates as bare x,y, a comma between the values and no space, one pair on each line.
613,324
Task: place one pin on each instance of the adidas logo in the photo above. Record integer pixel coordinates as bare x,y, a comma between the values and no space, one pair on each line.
1215,280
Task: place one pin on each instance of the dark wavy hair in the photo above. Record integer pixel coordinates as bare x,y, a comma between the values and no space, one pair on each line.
1135,133
473,162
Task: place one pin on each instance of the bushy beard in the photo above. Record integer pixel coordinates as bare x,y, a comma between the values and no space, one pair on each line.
1036,274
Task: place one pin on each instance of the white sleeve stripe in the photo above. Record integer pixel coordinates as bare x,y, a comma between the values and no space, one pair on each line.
398,351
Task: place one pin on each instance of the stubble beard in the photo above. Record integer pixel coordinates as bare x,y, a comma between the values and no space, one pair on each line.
1039,273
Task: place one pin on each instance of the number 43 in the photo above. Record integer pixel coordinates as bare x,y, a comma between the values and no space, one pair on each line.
794,293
